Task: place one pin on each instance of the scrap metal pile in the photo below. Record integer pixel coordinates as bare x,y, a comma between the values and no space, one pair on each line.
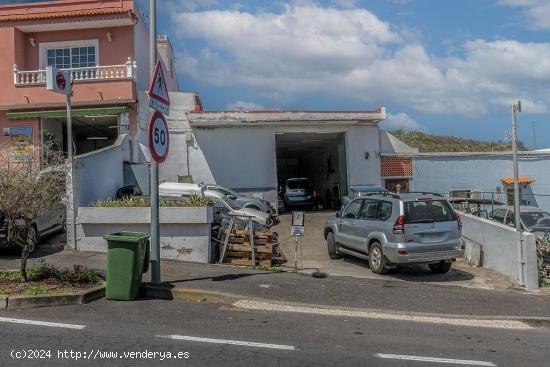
235,244
543,260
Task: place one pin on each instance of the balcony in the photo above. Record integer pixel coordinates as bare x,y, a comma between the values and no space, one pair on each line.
125,71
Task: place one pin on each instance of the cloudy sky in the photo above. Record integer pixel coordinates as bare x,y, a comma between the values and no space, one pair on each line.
443,66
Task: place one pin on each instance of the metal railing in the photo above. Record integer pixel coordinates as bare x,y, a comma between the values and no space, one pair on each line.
94,73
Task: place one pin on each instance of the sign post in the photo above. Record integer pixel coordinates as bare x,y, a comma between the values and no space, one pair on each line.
297,230
59,81
158,138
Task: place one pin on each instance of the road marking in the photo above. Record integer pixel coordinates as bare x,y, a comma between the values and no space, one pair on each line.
41,323
435,360
225,341
472,322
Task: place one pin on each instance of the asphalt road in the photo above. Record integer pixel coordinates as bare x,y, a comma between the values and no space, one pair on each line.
285,339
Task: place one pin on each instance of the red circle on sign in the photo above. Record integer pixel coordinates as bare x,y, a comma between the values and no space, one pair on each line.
159,143
60,81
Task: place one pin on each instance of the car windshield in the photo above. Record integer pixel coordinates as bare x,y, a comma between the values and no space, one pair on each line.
298,184
531,219
232,203
428,211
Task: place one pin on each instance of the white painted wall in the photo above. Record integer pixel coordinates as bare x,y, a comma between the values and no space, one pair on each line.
99,174
500,248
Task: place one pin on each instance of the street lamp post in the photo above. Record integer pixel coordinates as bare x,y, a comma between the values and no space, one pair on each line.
516,107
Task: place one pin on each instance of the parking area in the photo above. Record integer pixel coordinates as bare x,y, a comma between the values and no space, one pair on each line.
313,257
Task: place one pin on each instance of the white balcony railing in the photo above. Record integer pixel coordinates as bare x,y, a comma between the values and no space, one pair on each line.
111,72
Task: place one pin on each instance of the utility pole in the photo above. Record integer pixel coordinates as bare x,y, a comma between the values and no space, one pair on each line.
534,127
154,179
70,157
517,108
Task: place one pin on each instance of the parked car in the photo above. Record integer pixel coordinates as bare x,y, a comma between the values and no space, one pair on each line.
49,224
362,190
533,219
244,201
224,205
391,230
168,188
298,192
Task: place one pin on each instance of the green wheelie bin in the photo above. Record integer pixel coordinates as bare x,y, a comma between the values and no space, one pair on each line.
127,260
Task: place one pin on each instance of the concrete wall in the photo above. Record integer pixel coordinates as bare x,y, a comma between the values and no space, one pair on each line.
499,249
98,175
483,172
184,232
360,140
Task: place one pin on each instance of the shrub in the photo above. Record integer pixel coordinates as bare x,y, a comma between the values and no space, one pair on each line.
79,274
10,276
144,201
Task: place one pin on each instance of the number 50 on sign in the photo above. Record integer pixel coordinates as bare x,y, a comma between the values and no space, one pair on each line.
159,141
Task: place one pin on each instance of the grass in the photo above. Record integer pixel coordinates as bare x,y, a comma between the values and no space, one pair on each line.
5,293
144,201
35,290
10,276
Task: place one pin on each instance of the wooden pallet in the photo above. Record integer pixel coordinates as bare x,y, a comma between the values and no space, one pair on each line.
239,250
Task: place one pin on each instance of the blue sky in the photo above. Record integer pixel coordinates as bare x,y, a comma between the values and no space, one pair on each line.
443,66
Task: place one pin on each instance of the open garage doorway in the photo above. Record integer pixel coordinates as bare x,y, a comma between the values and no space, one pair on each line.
318,157
90,133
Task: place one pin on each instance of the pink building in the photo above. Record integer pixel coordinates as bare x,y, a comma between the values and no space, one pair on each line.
105,46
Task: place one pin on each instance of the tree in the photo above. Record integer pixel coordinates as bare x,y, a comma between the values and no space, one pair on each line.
31,184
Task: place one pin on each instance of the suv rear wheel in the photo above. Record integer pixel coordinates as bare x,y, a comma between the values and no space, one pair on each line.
441,267
332,246
377,261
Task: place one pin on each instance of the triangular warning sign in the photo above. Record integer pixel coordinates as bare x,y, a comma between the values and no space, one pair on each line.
158,89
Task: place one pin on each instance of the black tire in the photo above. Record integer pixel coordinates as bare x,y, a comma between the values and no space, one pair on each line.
377,261
441,267
332,246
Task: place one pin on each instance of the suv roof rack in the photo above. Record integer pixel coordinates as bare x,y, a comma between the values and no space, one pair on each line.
386,194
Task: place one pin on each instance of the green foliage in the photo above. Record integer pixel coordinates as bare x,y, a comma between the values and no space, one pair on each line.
79,274
544,278
144,201
5,293
35,290
427,143
10,276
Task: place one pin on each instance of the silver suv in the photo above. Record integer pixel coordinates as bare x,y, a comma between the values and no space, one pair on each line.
390,230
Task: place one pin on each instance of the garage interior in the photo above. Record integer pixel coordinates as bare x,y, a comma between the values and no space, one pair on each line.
90,132
320,157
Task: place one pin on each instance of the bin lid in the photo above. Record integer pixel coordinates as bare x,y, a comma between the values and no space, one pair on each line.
127,236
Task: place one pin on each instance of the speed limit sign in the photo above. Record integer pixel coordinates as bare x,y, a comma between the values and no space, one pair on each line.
159,141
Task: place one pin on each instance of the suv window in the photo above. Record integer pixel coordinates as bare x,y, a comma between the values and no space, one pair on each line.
352,211
384,210
370,210
298,184
498,215
423,211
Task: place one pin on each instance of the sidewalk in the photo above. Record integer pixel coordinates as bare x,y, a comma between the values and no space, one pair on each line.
387,294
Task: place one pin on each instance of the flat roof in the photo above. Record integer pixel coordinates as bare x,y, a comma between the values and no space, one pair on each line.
262,117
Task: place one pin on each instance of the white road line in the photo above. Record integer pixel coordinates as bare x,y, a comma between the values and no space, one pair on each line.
441,320
435,360
41,323
230,342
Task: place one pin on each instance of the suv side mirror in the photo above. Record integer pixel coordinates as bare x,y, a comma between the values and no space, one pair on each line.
339,214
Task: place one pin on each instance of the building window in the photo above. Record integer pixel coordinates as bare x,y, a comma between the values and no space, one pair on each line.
65,55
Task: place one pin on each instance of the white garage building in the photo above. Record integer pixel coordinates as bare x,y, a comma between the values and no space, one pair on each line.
254,152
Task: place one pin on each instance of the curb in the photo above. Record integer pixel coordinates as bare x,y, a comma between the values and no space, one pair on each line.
79,298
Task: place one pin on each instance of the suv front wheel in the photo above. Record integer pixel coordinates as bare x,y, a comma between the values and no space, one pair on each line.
377,261
332,246
441,267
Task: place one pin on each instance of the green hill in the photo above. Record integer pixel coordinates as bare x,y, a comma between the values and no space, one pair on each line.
427,143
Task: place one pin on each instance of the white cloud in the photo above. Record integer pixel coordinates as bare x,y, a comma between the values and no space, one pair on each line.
537,11
351,53
401,121
243,106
